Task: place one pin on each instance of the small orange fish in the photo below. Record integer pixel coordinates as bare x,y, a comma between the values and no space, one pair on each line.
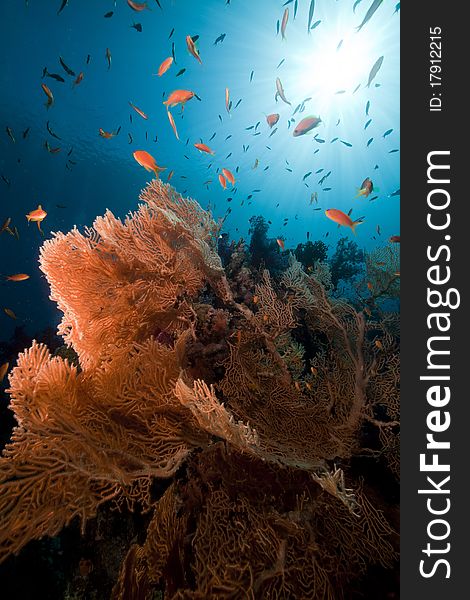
5,225
285,18
106,134
395,239
366,188
37,215
227,100
265,318
50,97
178,97
255,299
297,386
222,181
272,119
229,176
4,370
280,243
138,111
10,313
367,311
204,148
338,216
309,386
192,48
378,344
370,286
166,64
314,370
79,79
51,150
306,125
172,123
170,175
147,161
17,277
137,6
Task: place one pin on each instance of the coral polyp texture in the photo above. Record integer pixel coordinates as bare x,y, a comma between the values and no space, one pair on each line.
261,409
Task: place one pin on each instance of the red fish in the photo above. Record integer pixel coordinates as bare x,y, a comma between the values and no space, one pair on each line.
178,97
272,119
17,277
366,188
280,243
166,64
172,123
147,161
79,79
285,18
306,125
227,100
50,97
222,181
137,6
395,239
229,176
138,111
338,216
192,48
204,148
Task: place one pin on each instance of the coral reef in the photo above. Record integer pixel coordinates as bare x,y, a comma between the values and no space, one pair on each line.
248,389
346,262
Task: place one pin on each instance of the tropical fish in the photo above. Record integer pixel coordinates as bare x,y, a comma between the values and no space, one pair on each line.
315,25
220,39
395,239
355,4
51,132
108,57
356,88
50,97
280,243
4,370
280,92
137,27
204,148
222,181
108,15
285,19
251,76
67,69
373,7
171,33
17,277
62,6
369,141
5,225
306,125
79,79
367,187
178,97
166,64
392,151
192,48
108,135
311,10
388,132
397,8
346,143
10,314
229,176
37,216
227,99
368,123
147,161
55,76
367,107
395,193
172,123
282,61
180,72
173,51
138,111
25,132
375,69
137,6
338,216
272,119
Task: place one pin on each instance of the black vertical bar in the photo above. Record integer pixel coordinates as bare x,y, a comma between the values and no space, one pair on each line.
434,129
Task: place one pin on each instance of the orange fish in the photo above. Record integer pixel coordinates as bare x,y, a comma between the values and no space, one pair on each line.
255,299
281,244
106,134
285,18
51,150
366,188
370,287
297,386
37,215
395,239
138,111
314,370
272,119
204,148
4,370
192,48
166,64
378,344
5,225
222,181
306,125
18,277
147,161
10,313
137,6
229,176
178,97
227,99
172,123
79,79
50,97
338,216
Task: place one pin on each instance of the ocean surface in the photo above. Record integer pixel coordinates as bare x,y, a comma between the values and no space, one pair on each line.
76,176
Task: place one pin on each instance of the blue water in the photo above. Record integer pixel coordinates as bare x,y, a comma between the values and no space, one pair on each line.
316,65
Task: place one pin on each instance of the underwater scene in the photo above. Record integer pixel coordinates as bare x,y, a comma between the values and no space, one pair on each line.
200,296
